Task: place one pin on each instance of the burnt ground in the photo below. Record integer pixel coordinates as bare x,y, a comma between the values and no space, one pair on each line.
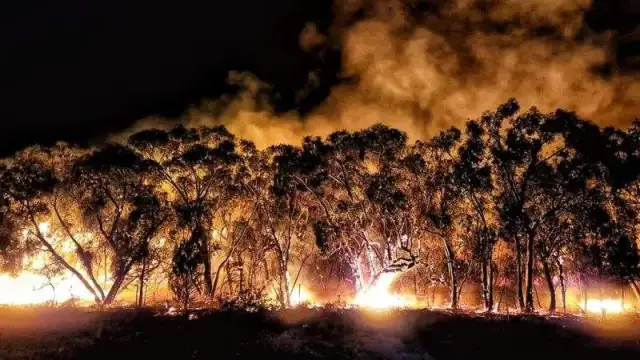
310,334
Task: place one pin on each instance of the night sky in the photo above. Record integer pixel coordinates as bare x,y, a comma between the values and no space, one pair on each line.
76,70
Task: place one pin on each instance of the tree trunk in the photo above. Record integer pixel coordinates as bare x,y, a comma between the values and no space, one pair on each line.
216,278
636,290
63,262
83,258
117,283
500,298
198,235
241,280
115,288
141,286
563,287
552,291
230,278
219,270
186,295
285,299
529,274
357,274
487,284
491,284
208,281
519,274
454,288
451,267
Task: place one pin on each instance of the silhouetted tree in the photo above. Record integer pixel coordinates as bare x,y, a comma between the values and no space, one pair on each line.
197,165
11,253
125,213
513,197
361,203
29,184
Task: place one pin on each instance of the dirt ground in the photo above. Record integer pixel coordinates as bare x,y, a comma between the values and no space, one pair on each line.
34,333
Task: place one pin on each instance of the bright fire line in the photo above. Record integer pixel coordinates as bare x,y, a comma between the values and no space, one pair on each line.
31,289
377,296
608,306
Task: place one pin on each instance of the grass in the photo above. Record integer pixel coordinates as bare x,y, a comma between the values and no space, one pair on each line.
310,334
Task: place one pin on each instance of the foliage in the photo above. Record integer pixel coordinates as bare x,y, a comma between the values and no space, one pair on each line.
514,197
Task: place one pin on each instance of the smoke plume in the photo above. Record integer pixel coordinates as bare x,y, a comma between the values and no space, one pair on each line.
422,66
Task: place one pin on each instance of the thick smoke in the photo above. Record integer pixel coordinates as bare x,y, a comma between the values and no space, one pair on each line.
422,66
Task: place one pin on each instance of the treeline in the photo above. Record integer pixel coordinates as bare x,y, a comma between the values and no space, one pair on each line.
522,197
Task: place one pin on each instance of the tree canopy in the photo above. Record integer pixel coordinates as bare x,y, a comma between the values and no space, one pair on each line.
517,198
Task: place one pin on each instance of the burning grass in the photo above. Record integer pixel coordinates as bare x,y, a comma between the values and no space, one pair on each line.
37,333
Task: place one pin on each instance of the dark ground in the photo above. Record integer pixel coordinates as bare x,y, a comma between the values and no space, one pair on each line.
310,334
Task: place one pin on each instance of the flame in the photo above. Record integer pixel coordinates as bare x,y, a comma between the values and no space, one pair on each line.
44,228
608,306
377,295
31,289
301,296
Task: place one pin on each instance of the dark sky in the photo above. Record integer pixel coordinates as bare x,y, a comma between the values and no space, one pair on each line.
76,69
72,69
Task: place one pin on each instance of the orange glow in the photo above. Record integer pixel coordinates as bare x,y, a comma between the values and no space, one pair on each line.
377,295
301,296
608,306
30,289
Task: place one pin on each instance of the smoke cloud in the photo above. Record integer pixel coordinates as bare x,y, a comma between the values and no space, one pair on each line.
423,66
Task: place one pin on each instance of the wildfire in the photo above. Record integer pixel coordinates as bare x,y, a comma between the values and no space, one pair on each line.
301,296
32,288
377,295
608,306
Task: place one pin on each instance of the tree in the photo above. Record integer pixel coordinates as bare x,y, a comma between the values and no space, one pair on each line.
197,165
622,163
185,278
622,259
511,199
106,198
11,253
99,202
360,197
286,212
539,176
235,227
29,184
438,200
478,219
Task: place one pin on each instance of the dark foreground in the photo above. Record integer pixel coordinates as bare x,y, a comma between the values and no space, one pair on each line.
310,334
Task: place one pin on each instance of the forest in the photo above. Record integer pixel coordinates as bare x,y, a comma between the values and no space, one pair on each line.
514,203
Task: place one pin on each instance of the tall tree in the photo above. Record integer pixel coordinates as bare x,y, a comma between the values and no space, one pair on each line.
621,159
11,253
29,184
478,219
197,165
363,213
541,178
234,227
437,199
